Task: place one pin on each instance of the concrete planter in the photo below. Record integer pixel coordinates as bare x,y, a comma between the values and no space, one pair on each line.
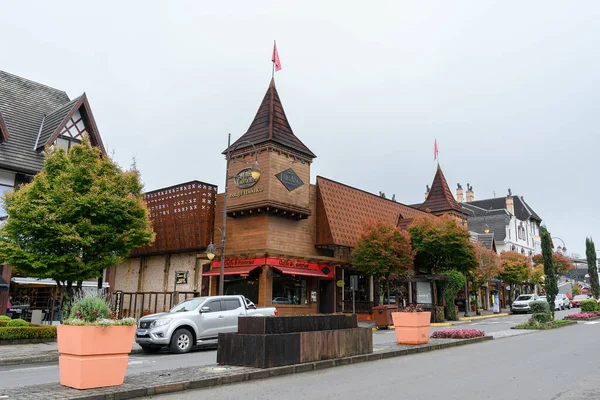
93,356
412,328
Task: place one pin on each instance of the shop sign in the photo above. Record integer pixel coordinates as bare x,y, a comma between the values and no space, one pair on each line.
181,278
240,262
326,269
340,283
289,179
118,304
244,179
245,192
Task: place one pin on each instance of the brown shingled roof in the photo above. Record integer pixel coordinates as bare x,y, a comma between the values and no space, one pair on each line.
271,125
440,197
343,211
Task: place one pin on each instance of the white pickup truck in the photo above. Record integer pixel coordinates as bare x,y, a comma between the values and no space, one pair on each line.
195,321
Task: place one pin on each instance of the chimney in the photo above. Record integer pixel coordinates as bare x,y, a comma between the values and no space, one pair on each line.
427,192
470,194
459,193
510,205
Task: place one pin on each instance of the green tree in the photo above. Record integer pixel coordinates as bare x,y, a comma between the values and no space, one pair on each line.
515,270
550,282
454,282
441,245
79,215
489,268
590,252
381,251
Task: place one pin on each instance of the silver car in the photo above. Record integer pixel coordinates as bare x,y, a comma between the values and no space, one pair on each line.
521,304
196,321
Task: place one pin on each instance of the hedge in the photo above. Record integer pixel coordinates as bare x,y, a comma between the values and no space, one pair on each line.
28,332
17,322
4,318
589,305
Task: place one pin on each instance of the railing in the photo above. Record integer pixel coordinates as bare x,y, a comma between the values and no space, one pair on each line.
138,304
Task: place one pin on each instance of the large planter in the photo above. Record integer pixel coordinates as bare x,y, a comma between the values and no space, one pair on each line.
412,327
93,356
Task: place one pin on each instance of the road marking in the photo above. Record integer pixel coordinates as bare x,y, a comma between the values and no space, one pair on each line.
31,368
591,323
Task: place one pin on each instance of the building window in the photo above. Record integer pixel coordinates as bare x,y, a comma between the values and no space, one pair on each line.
424,295
288,289
3,189
243,285
360,283
66,142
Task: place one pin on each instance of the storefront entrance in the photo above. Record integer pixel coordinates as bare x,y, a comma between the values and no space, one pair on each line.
326,288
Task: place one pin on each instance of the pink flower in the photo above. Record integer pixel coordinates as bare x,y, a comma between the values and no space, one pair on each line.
458,334
77,312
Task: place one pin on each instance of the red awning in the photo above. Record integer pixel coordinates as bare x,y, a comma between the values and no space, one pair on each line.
300,271
231,270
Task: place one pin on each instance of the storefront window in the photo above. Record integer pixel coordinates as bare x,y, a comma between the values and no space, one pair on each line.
424,293
288,289
243,285
358,282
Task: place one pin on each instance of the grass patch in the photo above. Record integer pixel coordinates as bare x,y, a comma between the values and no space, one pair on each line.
533,324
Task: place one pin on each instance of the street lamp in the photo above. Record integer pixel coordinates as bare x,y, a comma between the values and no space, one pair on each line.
255,172
564,246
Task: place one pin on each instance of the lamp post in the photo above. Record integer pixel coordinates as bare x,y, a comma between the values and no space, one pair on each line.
211,249
564,246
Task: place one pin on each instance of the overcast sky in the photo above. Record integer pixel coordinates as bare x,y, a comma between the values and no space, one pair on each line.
509,89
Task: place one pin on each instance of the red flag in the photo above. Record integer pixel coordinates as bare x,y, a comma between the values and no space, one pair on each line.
275,58
435,150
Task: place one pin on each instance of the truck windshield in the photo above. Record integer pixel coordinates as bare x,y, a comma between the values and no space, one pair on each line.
188,305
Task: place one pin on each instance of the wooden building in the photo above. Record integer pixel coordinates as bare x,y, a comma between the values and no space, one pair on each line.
289,242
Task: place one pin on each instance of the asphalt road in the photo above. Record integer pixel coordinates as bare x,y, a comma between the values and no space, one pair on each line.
559,364
33,374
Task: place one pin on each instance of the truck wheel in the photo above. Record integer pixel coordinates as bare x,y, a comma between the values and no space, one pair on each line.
181,341
150,349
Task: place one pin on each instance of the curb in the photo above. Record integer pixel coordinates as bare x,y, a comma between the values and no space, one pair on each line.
122,392
47,358
469,319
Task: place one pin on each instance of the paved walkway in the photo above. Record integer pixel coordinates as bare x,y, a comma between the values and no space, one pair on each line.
35,353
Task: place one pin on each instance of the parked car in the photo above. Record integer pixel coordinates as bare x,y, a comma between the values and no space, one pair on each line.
579,298
557,302
565,302
521,304
195,321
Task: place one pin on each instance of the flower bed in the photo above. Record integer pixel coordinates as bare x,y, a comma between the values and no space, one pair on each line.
533,324
584,316
458,334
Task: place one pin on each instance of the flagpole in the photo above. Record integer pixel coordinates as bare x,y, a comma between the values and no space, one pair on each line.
273,60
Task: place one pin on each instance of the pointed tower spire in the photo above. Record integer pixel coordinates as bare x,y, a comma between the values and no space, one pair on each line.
440,199
271,125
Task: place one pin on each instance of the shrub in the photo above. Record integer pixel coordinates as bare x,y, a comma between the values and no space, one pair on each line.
28,332
5,318
589,305
540,306
453,283
17,322
541,317
90,309
458,334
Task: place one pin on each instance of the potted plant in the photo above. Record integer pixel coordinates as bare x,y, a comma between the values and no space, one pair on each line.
412,325
93,345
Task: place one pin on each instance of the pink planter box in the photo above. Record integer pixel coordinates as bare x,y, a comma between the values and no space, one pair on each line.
92,356
412,328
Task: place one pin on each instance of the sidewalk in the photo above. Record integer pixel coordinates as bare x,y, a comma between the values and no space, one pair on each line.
36,353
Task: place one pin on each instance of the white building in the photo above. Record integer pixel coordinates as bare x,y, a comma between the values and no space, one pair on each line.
516,227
